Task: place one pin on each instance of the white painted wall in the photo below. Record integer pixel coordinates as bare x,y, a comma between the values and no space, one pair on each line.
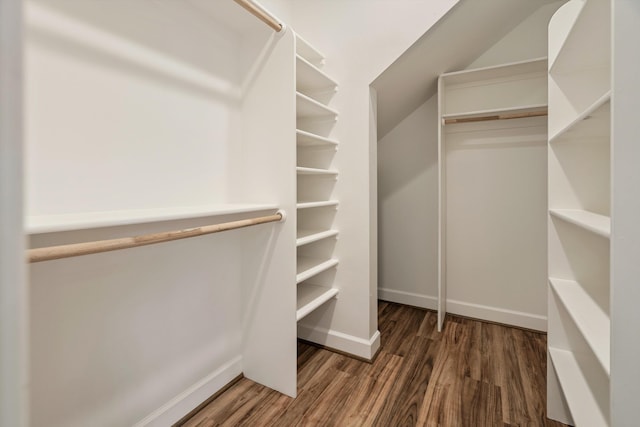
496,193
281,9
130,60
13,286
408,181
133,107
527,40
625,210
408,209
359,38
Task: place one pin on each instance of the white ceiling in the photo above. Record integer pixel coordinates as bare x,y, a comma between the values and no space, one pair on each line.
465,32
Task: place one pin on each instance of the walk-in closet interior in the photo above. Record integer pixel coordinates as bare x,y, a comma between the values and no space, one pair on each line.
190,190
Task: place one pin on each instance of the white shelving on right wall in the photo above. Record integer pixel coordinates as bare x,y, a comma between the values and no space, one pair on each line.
578,377
316,234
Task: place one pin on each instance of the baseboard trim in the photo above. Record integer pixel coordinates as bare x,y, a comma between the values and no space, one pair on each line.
175,410
475,311
408,298
344,343
498,315
211,398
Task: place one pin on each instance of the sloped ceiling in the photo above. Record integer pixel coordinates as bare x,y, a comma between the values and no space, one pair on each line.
466,31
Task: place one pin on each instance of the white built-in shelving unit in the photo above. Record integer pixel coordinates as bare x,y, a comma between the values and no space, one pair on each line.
316,206
131,130
578,377
492,134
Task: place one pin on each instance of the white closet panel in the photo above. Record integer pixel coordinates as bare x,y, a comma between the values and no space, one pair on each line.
492,175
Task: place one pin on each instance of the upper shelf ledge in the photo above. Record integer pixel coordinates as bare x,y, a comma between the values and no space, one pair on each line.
536,65
37,224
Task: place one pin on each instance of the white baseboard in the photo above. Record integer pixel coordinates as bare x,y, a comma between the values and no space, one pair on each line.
345,343
408,298
174,410
499,315
467,309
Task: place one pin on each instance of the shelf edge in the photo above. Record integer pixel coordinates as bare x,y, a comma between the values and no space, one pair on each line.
310,307
564,214
321,235
602,100
316,269
102,219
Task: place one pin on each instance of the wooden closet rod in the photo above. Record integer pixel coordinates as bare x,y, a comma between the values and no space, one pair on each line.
261,14
507,116
87,248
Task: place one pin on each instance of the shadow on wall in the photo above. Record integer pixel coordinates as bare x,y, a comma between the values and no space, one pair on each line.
408,208
174,45
409,150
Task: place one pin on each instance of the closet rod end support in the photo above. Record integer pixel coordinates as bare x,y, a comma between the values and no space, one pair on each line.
283,215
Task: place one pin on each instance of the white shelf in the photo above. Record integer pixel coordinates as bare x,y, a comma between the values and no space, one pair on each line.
582,404
590,126
500,89
309,139
310,297
592,322
308,267
595,223
309,236
307,107
496,111
80,221
315,171
308,52
597,109
311,78
509,70
320,204
586,45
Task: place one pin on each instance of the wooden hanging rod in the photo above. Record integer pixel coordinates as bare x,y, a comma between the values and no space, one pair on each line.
259,12
506,116
87,248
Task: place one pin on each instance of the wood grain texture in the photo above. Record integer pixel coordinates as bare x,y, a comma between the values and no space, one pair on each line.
505,116
261,14
473,374
87,248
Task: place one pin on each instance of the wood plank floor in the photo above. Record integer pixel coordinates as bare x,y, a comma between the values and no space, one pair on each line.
472,374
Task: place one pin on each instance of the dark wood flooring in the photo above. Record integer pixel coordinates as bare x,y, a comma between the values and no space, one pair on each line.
473,374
